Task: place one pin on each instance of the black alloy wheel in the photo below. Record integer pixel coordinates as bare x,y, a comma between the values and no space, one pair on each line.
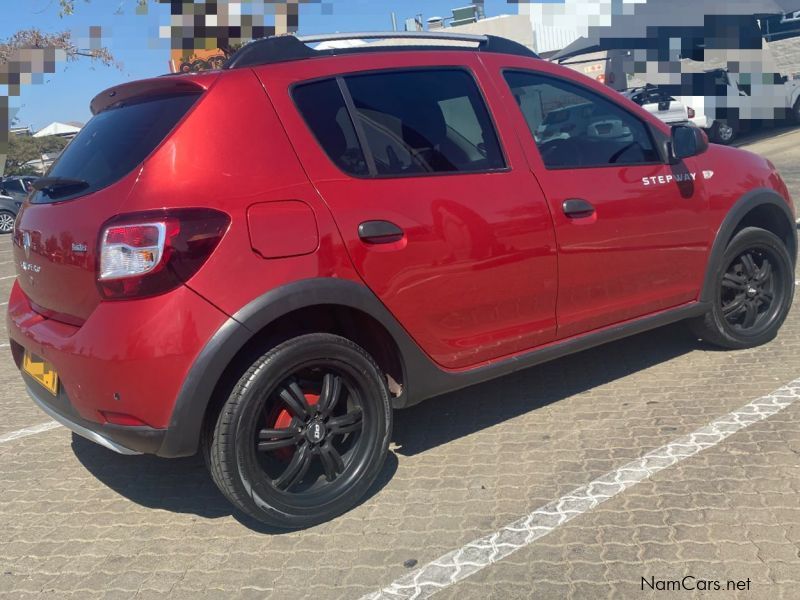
753,294
321,435
303,434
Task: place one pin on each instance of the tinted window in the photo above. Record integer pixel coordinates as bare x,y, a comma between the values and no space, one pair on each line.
323,108
418,122
574,127
14,185
115,141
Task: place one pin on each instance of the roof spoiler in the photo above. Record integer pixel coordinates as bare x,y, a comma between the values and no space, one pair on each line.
162,86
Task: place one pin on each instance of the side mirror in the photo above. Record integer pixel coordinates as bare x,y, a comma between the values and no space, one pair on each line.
688,141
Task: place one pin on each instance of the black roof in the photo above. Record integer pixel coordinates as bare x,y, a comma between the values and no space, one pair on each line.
285,48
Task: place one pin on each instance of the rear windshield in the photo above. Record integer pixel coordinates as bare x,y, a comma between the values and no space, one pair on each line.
115,142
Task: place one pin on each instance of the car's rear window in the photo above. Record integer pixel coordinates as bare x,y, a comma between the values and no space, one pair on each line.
114,142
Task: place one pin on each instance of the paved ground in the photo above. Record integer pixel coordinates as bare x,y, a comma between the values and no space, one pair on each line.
77,520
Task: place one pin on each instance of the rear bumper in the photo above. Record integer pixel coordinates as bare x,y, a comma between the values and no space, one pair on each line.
702,121
122,440
128,359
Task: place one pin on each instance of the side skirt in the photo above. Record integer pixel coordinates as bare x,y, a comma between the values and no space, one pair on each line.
428,381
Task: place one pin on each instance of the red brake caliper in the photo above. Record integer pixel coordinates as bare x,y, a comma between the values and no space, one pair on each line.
283,419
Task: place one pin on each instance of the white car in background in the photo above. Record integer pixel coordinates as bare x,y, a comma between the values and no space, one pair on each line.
661,104
753,98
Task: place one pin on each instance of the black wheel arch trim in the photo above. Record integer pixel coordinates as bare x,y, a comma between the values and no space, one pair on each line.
742,207
198,387
423,378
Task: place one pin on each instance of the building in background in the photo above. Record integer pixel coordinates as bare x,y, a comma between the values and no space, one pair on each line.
472,19
26,131
552,29
63,130
513,27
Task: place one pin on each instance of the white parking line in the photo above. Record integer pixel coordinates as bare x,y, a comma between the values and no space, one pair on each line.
483,552
21,433
8,277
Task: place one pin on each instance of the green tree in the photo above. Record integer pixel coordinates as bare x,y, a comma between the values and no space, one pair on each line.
23,149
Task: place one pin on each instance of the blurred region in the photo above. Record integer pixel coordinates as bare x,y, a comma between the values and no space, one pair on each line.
203,34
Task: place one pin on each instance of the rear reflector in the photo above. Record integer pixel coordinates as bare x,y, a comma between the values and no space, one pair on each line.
122,419
150,253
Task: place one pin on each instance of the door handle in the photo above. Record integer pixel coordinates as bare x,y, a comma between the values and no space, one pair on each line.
576,208
379,232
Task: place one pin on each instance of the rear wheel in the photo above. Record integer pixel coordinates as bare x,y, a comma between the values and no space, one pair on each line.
795,115
723,133
752,294
6,221
303,434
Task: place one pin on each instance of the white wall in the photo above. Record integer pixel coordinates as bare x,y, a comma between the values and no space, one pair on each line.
557,25
513,27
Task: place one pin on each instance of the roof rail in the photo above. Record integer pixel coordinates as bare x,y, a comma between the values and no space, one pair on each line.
285,48
389,35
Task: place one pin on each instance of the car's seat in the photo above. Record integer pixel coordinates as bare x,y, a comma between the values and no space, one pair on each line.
425,134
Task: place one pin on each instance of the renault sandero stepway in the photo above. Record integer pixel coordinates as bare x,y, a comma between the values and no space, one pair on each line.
262,262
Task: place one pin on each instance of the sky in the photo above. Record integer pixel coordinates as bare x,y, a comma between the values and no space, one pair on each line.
65,95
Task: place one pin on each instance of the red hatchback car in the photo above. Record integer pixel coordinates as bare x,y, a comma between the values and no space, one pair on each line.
262,262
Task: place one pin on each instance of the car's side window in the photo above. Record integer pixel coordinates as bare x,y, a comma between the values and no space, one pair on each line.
322,105
576,128
410,122
425,121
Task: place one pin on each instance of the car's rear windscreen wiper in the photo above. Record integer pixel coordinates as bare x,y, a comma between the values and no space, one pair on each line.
59,186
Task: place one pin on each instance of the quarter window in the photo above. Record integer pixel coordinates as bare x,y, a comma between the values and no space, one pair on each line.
576,128
322,106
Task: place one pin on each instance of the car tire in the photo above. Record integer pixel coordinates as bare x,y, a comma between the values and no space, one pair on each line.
723,133
7,219
752,294
303,434
794,117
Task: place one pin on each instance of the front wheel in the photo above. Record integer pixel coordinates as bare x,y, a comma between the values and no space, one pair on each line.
752,293
303,434
6,221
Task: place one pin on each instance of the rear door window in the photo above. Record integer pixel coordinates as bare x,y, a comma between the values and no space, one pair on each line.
114,142
405,123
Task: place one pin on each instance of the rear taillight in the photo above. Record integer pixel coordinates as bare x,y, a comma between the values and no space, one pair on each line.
691,112
149,253
131,250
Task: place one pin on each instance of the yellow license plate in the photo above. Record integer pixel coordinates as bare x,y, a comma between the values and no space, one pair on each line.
42,371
